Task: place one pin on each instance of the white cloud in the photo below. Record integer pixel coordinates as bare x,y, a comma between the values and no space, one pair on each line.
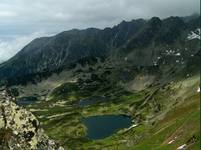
24,17
8,14
11,46
87,13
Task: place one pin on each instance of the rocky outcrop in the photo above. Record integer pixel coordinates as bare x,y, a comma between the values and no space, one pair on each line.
19,128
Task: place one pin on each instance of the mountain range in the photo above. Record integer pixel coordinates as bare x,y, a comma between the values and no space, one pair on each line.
141,42
146,72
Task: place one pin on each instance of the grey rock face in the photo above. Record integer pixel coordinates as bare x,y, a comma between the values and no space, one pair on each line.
19,128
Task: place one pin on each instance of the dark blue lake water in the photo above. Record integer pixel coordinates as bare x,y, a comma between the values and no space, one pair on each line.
91,101
99,127
23,101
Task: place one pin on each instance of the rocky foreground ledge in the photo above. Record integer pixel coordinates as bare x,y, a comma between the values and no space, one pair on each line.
19,128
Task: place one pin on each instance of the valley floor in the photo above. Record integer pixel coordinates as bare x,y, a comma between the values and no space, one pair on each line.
164,117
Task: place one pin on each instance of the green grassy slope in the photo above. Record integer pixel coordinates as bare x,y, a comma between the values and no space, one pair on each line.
162,113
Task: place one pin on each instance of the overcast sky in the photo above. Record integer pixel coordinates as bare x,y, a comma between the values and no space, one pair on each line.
23,20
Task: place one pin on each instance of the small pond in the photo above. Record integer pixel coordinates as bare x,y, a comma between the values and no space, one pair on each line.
91,101
99,127
23,101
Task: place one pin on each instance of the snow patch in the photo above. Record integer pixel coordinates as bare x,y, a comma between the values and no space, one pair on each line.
170,52
194,35
133,126
182,147
173,52
155,63
178,54
172,141
198,90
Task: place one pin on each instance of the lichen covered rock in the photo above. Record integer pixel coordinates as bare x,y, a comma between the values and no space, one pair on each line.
19,128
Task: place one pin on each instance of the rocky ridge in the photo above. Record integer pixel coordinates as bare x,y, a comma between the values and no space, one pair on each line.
19,128
138,42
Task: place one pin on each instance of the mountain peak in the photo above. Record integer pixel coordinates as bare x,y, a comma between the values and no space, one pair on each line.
67,49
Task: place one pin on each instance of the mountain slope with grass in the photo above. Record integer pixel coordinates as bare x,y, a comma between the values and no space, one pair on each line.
145,70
